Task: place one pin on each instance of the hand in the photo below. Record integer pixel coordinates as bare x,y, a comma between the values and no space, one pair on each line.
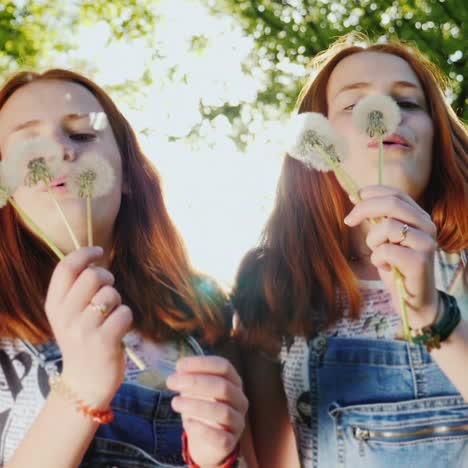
413,256
212,405
90,341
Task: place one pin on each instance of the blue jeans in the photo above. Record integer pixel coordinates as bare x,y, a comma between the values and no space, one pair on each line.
383,404
145,432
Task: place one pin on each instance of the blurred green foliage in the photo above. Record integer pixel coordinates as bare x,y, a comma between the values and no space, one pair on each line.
33,31
292,31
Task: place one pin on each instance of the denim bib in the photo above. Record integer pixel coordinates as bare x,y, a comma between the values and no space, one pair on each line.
383,404
145,432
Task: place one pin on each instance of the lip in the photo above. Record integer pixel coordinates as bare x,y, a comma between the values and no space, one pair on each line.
393,141
58,185
59,181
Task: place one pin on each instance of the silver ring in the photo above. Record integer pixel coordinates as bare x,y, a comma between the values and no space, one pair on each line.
403,232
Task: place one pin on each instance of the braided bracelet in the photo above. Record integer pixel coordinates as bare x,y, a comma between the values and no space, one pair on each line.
432,335
58,385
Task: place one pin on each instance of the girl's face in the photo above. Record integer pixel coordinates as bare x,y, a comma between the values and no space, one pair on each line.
63,113
406,166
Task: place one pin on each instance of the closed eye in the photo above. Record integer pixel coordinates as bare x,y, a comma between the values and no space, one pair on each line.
408,105
82,137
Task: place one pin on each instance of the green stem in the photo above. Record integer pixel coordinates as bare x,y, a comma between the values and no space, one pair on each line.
341,174
351,187
134,357
64,218
402,296
381,156
89,218
36,229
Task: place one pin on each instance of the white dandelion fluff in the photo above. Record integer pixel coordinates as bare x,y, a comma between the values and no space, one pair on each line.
5,197
316,144
92,176
37,159
314,141
376,115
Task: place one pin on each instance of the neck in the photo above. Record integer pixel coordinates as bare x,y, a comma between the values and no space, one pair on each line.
101,239
359,249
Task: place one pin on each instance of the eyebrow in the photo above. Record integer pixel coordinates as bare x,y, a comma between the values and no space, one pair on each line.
365,84
69,118
29,123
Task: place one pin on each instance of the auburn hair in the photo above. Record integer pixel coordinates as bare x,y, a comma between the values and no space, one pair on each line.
149,261
288,284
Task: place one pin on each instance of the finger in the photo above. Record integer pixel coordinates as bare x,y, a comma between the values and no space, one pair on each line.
66,272
416,267
117,325
217,439
209,365
102,304
373,191
390,207
209,412
209,387
86,286
393,231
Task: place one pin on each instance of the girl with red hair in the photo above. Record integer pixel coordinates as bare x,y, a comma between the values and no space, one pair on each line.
69,396
335,384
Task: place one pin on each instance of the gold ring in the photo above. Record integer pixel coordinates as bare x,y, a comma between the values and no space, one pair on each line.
100,308
404,230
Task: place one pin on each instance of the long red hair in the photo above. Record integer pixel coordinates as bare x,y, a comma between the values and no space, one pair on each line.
150,264
288,285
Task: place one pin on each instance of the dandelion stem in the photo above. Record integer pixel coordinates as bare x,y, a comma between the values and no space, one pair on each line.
36,229
134,357
340,173
351,187
64,218
402,296
381,156
89,218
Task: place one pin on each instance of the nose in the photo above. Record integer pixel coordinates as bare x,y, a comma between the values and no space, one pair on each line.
69,154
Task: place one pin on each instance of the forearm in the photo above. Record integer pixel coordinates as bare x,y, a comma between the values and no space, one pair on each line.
58,438
452,357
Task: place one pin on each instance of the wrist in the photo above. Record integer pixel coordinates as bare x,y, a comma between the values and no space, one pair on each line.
445,323
427,316
94,394
101,414
231,461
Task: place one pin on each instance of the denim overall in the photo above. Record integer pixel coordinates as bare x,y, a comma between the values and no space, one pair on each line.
383,404
145,432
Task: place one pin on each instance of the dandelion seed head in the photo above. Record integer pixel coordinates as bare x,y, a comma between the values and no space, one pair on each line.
91,176
376,115
314,141
32,161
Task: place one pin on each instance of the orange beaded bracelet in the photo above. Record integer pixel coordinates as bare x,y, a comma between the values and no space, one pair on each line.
100,416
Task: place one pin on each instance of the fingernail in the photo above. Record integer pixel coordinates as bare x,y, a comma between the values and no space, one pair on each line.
175,403
348,220
171,381
98,250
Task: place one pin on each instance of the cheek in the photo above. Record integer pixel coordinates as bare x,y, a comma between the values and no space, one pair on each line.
424,128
